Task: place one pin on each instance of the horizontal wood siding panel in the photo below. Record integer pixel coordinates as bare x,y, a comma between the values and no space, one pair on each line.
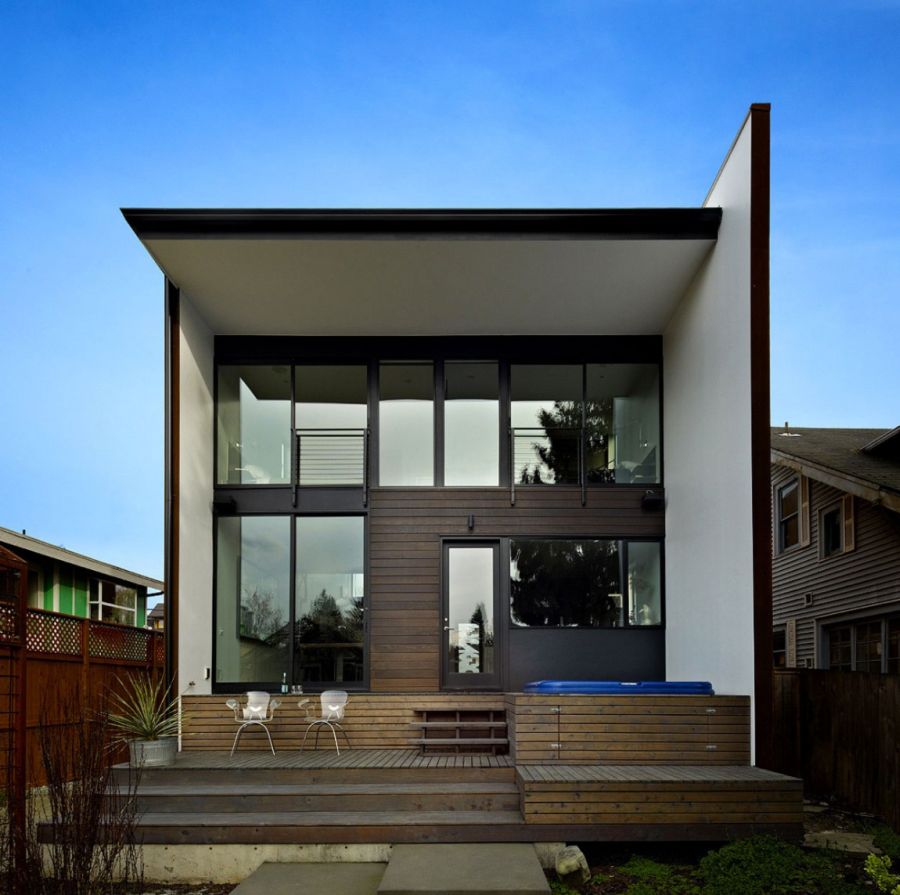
405,530
569,795
372,721
672,730
866,578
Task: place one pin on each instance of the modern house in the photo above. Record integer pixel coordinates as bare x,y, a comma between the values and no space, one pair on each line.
431,456
61,580
836,548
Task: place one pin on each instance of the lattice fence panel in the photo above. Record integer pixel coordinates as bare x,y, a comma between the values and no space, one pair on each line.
118,642
7,621
159,649
58,634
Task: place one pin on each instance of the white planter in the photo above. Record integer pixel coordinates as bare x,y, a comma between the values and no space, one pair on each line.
153,753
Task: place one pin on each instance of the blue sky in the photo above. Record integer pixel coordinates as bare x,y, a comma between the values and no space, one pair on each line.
409,104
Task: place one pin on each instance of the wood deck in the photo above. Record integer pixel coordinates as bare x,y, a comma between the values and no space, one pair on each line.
400,795
348,758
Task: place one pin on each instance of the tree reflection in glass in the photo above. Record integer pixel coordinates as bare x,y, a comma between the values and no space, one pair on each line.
470,610
563,584
329,641
545,414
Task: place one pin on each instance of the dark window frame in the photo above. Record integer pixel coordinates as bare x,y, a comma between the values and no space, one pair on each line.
227,687
834,507
623,566
505,351
781,519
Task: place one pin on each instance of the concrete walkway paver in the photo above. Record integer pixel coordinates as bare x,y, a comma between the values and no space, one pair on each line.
312,879
504,868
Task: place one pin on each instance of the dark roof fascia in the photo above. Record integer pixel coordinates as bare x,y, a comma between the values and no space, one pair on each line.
580,223
860,487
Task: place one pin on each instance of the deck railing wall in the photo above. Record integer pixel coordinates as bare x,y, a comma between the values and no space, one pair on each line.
72,664
838,730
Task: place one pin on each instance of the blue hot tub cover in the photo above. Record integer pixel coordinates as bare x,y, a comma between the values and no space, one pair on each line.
646,688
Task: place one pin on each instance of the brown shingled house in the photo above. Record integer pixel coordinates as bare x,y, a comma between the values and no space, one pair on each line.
836,548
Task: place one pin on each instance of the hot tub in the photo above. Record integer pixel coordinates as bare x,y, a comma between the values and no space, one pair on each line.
637,688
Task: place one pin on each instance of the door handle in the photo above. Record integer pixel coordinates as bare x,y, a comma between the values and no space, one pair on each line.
446,627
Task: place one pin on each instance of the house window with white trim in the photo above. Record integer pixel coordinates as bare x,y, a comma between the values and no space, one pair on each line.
111,602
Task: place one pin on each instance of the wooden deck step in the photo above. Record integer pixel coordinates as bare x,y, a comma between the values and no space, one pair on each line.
462,741
326,827
364,797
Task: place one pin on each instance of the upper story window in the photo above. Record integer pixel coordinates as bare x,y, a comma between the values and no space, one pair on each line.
460,423
830,528
837,528
597,421
787,515
331,416
471,423
406,424
253,425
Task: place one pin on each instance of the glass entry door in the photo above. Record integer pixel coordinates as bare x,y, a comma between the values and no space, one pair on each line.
471,654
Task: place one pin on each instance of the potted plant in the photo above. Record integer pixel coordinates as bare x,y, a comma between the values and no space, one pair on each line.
147,719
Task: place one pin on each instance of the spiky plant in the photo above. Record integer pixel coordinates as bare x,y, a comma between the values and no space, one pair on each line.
143,710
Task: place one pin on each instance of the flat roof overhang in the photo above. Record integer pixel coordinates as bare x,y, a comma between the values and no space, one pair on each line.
430,272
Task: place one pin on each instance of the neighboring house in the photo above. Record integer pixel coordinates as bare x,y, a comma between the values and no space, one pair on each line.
836,548
60,580
156,617
439,450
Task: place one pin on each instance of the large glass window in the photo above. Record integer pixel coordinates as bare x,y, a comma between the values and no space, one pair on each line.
331,417
580,584
565,584
546,419
254,425
471,424
622,423
644,583
330,596
406,424
253,576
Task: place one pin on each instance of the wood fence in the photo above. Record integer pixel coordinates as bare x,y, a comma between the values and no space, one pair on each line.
72,664
838,730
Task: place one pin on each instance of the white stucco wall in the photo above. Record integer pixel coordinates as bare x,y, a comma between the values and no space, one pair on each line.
195,571
709,543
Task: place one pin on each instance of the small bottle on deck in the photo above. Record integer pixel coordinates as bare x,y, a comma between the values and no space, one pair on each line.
284,684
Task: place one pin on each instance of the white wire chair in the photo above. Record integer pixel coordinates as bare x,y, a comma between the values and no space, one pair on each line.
333,704
259,710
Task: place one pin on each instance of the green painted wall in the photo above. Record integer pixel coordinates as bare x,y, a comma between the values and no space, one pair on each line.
80,587
141,618
65,589
48,586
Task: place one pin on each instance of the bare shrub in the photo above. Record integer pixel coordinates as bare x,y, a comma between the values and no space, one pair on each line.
89,828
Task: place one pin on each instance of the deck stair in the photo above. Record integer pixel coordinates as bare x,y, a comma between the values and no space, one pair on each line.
400,796
461,730
365,796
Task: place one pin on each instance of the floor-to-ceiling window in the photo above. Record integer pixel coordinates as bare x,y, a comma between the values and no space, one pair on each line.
329,642
253,586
